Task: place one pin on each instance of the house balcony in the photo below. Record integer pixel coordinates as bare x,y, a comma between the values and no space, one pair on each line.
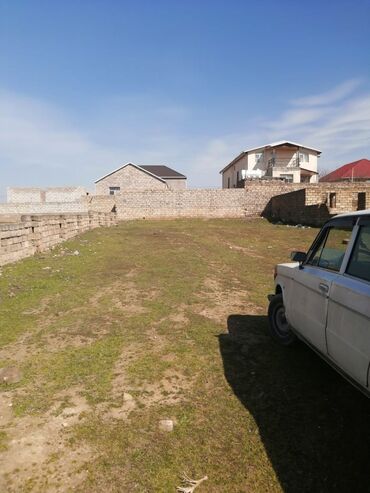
282,163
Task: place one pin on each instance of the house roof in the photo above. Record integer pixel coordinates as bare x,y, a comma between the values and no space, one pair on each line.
357,169
150,170
163,172
279,143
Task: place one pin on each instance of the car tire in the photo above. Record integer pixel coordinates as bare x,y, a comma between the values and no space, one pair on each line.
280,329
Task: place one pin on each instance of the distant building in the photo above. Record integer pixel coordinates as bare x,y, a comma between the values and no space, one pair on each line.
356,171
134,177
283,160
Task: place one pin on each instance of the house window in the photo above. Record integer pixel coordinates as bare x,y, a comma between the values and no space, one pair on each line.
259,156
361,201
228,182
114,190
303,157
332,200
286,177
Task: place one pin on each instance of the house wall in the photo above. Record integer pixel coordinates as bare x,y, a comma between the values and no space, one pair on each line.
129,178
295,172
260,164
176,184
25,195
285,154
232,172
287,158
36,233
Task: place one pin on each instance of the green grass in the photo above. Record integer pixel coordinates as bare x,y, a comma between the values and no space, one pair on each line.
179,306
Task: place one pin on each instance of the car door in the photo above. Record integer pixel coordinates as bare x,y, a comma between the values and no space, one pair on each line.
308,307
348,327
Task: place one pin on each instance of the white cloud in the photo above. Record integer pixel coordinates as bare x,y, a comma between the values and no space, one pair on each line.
42,145
336,94
336,122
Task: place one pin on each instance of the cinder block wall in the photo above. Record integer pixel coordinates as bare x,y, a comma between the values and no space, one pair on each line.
37,233
258,195
318,202
174,203
27,195
45,208
294,202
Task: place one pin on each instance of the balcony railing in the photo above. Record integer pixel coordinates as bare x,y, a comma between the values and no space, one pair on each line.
276,162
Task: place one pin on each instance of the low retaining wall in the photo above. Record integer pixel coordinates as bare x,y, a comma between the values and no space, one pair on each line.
37,233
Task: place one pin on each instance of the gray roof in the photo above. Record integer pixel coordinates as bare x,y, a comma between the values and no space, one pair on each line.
163,172
159,172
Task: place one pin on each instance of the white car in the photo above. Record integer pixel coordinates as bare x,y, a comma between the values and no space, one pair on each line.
323,298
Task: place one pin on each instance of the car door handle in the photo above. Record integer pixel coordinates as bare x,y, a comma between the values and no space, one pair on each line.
323,287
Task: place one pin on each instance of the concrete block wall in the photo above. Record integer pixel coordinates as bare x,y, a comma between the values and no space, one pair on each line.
100,203
258,194
37,233
28,195
313,205
180,203
44,208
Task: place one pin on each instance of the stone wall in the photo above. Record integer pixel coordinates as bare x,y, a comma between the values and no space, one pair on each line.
27,195
176,183
36,233
258,194
295,202
45,208
173,203
100,203
317,203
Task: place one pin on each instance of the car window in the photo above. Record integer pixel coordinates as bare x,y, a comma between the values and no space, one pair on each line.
359,264
330,251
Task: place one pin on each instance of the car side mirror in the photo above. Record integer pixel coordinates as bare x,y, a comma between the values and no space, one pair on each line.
298,256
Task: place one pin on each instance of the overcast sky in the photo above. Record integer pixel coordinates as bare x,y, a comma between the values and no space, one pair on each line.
86,86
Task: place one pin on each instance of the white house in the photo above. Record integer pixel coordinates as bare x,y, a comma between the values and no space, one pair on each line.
283,160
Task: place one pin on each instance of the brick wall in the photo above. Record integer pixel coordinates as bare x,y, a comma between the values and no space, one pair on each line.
295,202
318,202
44,208
37,233
260,192
17,195
100,203
173,203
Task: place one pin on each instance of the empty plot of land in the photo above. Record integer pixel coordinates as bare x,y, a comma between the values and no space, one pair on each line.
156,325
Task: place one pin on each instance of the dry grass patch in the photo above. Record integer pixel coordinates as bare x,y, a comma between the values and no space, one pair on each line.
166,320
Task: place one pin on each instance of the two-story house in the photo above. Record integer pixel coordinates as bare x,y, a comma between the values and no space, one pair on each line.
283,160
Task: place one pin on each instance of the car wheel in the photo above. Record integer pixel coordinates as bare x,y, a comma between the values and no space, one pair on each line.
279,326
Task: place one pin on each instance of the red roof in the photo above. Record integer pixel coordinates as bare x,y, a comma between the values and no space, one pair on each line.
356,170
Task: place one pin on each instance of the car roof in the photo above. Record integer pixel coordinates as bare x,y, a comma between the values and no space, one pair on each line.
365,212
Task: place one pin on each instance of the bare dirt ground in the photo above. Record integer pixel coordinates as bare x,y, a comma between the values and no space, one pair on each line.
164,322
